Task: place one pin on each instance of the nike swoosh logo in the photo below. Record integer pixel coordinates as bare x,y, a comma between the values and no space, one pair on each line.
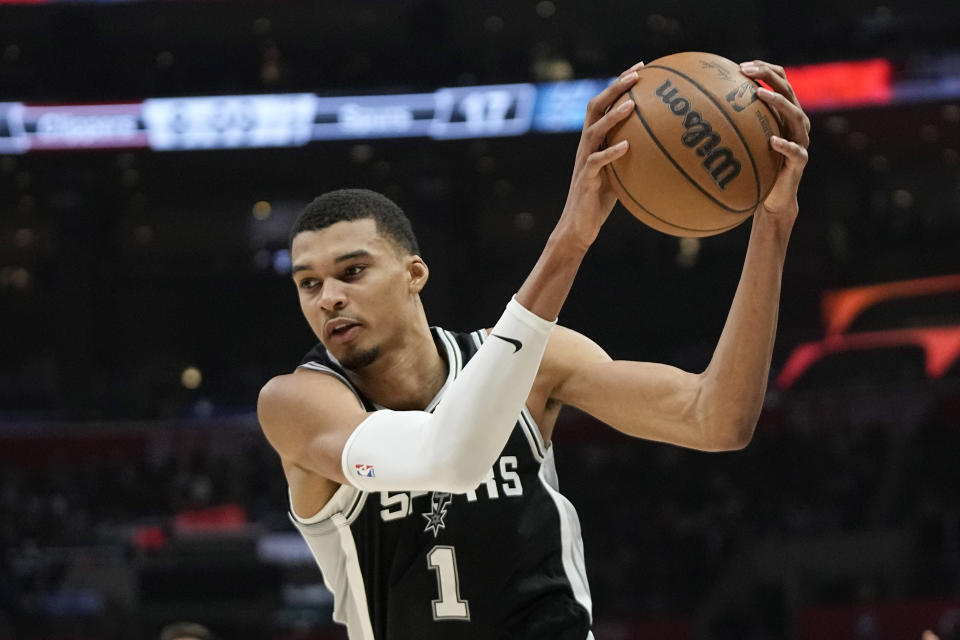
517,345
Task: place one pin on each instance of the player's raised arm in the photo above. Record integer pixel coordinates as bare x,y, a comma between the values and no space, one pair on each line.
589,203
717,409
316,423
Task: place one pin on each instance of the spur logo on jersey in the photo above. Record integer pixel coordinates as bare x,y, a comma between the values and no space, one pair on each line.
364,470
439,501
502,480
718,160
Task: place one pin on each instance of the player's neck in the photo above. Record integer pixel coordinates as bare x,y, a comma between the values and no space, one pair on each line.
407,377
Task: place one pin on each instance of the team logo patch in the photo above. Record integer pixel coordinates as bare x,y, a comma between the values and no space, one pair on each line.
364,470
439,501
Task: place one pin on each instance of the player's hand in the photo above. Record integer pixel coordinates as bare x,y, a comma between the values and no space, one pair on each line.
782,200
590,199
929,635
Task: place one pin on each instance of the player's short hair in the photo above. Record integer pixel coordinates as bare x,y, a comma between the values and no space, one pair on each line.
344,205
178,630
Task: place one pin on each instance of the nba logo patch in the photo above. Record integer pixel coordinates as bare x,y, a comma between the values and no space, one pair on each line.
364,470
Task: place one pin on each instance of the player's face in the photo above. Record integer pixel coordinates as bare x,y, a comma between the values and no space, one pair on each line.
355,289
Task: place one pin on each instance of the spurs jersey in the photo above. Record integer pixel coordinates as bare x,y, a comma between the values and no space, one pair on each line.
504,560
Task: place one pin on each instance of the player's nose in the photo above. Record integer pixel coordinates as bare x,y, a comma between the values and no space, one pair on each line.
333,296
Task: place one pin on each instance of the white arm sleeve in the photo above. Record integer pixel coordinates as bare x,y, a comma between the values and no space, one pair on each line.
452,448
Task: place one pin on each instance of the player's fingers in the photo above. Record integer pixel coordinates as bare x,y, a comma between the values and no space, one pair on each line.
599,159
594,135
795,154
602,101
762,67
635,67
783,196
793,116
773,75
777,69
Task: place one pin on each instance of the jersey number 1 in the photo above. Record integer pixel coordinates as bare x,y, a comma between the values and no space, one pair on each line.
448,606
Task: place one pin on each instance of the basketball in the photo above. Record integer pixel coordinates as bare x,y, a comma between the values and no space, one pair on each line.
699,161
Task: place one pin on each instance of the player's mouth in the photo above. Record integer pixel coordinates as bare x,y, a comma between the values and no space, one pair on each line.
341,329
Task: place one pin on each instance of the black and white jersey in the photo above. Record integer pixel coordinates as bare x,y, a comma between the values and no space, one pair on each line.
504,560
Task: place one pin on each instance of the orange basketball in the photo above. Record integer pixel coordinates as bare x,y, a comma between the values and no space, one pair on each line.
699,161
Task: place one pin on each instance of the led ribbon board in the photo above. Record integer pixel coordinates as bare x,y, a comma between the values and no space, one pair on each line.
291,120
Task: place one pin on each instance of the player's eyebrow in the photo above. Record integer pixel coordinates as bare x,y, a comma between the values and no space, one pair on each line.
359,253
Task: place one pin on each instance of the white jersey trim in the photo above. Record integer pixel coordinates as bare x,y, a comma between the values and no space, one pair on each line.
331,541
454,364
354,581
571,540
534,436
346,500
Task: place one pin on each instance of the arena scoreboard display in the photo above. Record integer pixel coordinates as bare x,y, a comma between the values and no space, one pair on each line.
291,120
279,120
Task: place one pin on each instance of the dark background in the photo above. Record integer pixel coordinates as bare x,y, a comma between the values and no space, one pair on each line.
119,269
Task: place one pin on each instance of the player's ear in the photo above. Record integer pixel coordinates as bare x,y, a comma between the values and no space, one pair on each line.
419,273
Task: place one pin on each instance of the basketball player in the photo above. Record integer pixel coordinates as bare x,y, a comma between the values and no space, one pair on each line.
419,461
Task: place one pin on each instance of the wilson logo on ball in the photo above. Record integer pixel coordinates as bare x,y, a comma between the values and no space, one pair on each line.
719,161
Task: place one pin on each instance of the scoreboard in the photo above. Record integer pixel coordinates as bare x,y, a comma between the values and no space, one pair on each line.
296,119
278,120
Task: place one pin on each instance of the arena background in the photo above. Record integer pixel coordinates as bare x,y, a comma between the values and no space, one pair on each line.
144,300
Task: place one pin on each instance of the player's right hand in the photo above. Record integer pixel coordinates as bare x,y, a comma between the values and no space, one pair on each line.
781,202
591,199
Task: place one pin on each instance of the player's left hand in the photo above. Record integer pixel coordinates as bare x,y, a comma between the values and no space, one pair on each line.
782,200
591,198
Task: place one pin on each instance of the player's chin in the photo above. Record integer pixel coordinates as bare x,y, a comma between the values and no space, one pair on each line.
356,359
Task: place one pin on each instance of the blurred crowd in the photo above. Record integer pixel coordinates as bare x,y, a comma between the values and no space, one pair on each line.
675,519
662,526
62,513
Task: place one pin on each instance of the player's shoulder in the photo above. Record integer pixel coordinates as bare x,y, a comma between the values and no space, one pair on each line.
302,403
316,377
304,386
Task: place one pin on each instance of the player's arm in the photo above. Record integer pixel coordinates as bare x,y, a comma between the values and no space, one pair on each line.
713,411
716,409
314,421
